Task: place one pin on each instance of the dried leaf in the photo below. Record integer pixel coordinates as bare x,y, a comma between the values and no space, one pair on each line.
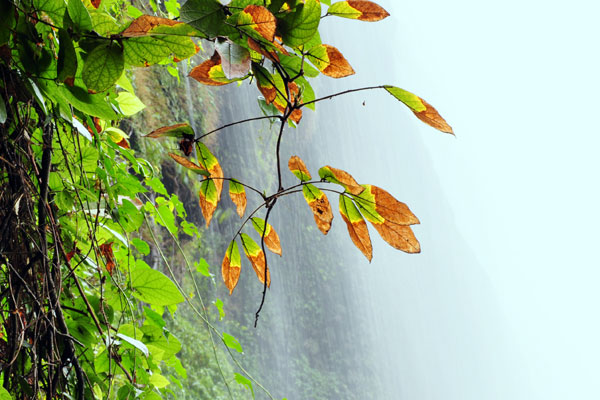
107,253
298,168
96,3
210,72
208,199
357,227
342,178
400,237
237,193
188,164
330,61
144,23
178,131
319,204
231,266
362,10
423,110
271,238
379,204
209,162
262,21
256,257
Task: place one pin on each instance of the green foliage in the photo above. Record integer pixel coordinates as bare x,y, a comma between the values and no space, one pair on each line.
91,296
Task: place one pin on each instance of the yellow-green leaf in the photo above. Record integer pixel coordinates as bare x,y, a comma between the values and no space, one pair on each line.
209,198
209,162
362,10
423,110
256,257
342,178
103,67
271,238
189,164
330,61
210,72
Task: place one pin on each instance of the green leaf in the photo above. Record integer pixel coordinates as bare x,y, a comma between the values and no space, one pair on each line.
219,304
301,25
159,43
207,16
54,8
129,104
103,67
67,58
130,217
3,114
104,24
157,186
154,317
154,287
79,15
232,342
158,381
292,64
166,218
203,267
94,105
242,380
4,395
135,343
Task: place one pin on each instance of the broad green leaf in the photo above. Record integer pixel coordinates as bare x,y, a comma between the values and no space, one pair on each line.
79,15
242,380
143,51
306,94
423,110
207,16
342,178
166,218
159,381
330,61
256,257
298,168
209,198
103,67
357,227
271,238
235,60
92,104
4,395
319,205
130,217
146,25
293,63
104,24
178,131
161,347
135,343
362,10
67,58
54,8
237,193
129,103
153,287
141,246
231,266
232,342
299,26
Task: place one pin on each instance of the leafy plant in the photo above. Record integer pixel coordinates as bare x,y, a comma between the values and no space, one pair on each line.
84,314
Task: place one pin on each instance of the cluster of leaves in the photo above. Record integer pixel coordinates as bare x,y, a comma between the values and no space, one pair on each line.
74,189
277,45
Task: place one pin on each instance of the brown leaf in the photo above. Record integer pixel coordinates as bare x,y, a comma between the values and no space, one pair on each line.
230,271
124,144
186,145
176,130
359,233
186,163
298,168
239,199
400,237
96,3
342,177
202,72
391,209
371,12
144,23
338,66
107,252
319,204
271,238
264,20
432,118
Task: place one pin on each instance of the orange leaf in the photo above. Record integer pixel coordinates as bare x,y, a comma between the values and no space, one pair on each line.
320,207
264,22
432,118
187,163
298,168
237,193
357,227
107,252
231,267
400,237
271,238
96,3
124,144
210,72
257,258
371,12
144,23
338,66
341,177
391,209
177,130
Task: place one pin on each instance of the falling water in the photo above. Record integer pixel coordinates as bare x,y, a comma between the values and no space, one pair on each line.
423,326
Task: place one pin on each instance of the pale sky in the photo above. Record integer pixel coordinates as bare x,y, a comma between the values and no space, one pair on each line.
518,82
